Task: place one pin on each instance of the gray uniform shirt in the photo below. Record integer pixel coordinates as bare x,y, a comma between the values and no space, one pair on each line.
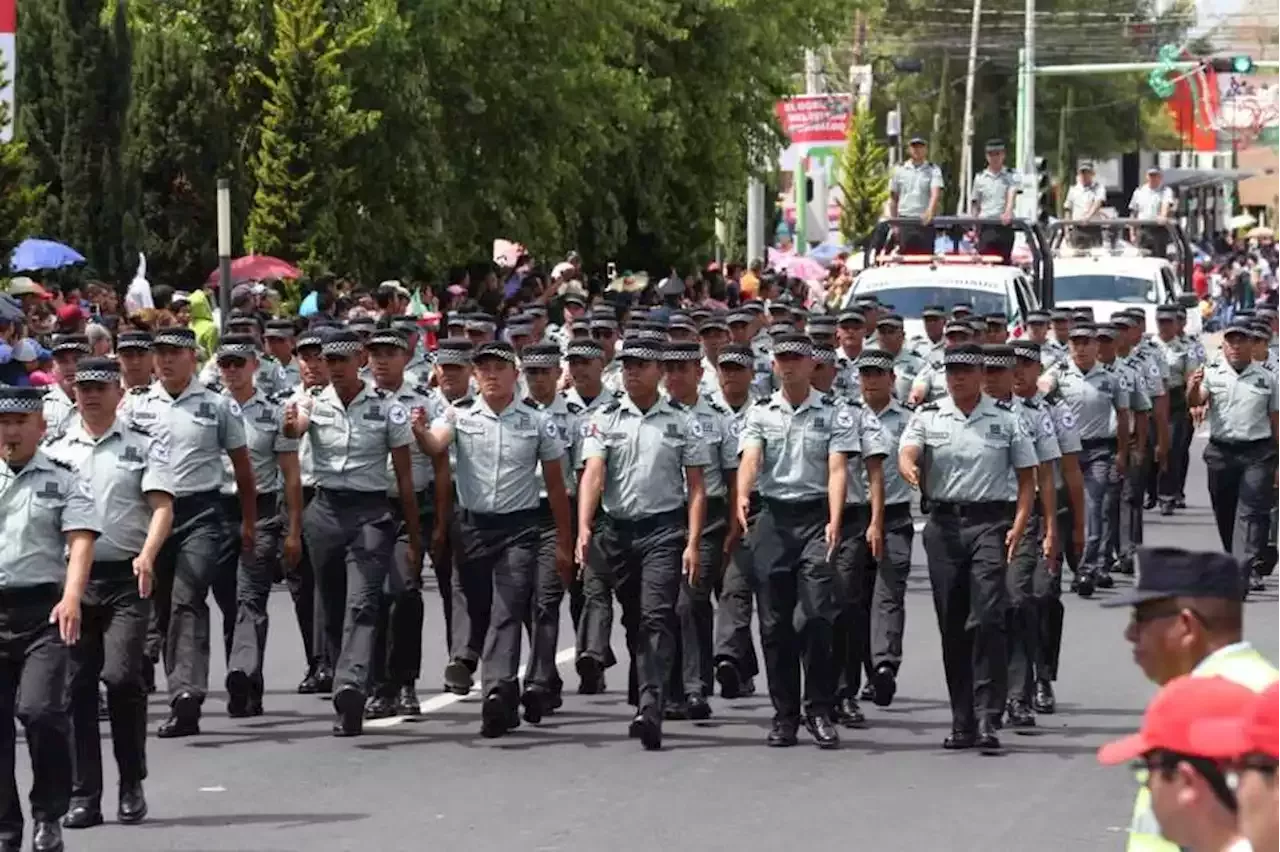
722,445
568,418
1178,360
1240,404
263,419
873,442
202,425
797,442
58,410
991,191
933,378
1064,426
906,365
120,467
1137,389
38,506
969,459
913,184
848,381
1038,422
412,398
893,421
1094,398
349,444
645,454
499,454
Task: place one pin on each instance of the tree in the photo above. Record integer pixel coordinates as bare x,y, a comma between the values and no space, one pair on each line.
864,179
22,201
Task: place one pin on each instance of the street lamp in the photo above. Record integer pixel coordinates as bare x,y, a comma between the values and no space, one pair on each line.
893,121
224,248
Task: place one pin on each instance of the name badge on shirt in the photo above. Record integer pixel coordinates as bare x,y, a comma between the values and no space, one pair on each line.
375,414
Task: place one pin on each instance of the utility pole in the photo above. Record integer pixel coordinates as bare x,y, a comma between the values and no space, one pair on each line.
1027,144
966,134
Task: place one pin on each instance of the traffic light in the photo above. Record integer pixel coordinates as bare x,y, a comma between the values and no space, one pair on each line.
1232,64
1044,191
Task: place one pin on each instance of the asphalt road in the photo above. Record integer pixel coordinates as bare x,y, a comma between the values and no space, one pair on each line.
282,782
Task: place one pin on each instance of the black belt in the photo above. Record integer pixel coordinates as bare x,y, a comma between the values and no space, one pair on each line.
794,508
1098,443
893,512
717,505
348,494
111,568
647,523
984,511
196,502
500,520
1241,445
23,595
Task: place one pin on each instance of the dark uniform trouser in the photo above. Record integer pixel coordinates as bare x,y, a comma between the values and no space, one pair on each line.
1167,485
1128,532
397,654
1046,591
302,589
471,597
994,239
796,585
351,535
639,561
1240,488
544,621
965,548
1182,453
505,547
888,596
916,239
733,615
113,633
33,689
185,570
694,668
1154,243
1101,496
253,573
1025,612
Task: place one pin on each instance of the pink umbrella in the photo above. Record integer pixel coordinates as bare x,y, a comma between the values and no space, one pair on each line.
801,266
258,267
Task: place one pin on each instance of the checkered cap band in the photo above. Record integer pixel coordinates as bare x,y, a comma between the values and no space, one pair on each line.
20,404
583,349
1082,331
640,351
851,316
875,361
739,317
278,333
143,343
1124,321
490,351
361,323
892,322
713,325
603,323
646,334
682,323
405,323
998,362
742,359
957,328
382,338
540,361
682,353
480,325
513,330
824,355
343,348
1026,349
453,357
803,348
236,350
963,359
72,346
181,341
1037,316
97,375
309,339
933,313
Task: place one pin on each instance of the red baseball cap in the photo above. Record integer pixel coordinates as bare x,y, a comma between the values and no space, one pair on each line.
1254,727
1171,715
68,314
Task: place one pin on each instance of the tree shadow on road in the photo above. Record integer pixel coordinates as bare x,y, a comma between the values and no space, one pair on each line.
234,820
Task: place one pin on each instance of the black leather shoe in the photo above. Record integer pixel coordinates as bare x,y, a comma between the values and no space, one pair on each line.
675,711
885,681
1104,580
848,714
1166,508
83,816
748,687
47,837
960,738
308,685
1180,503
646,728
590,675
987,741
324,681
494,716
184,718
534,701
103,712
868,692
824,734
1043,701
698,708
1083,586
1257,583
783,733
1020,715
149,674
459,677
1149,503
729,679
348,703
132,807
407,703
239,694
379,707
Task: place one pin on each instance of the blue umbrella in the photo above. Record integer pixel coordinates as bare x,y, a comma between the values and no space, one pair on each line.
9,308
32,253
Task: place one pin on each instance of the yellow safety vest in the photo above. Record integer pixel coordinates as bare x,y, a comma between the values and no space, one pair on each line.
1241,665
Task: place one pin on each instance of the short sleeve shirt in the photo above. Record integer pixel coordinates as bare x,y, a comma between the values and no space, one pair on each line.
202,425
38,506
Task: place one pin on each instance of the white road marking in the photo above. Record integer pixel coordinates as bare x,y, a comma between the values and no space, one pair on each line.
439,702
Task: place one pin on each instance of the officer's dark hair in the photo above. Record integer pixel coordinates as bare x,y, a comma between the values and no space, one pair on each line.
1220,617
1167,762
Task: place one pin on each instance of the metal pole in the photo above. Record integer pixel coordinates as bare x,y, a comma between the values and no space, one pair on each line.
1020,120
1028,145
224,247
966,153
755,220
1128,67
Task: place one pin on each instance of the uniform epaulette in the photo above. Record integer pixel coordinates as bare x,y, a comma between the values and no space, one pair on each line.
140,389
828,399
60,463
1054,396
216,387
611,407
676,404
1005,404
139,428
317,390
715,406
1031,402
532,403
465,402
422,390
574,408
928,406
280,396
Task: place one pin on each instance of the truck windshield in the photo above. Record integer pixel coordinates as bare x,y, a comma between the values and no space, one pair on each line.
1102,287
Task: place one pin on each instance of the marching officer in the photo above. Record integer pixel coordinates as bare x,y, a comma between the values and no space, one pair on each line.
348,526
201,425
137,366
692,683
398,649
930,384
995,189
501,441
960,451
932,344
1180,360
1098,400
851,330
861,545
1241,395
279,342
59,403
1126,504
274,457
906,364
643,459
47,526
604,331
797,444
127,470
915,190
736,662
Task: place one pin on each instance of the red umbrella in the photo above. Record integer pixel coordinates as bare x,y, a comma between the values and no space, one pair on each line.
258,267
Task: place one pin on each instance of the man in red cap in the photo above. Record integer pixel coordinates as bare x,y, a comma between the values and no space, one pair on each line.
1190,795
1251,736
